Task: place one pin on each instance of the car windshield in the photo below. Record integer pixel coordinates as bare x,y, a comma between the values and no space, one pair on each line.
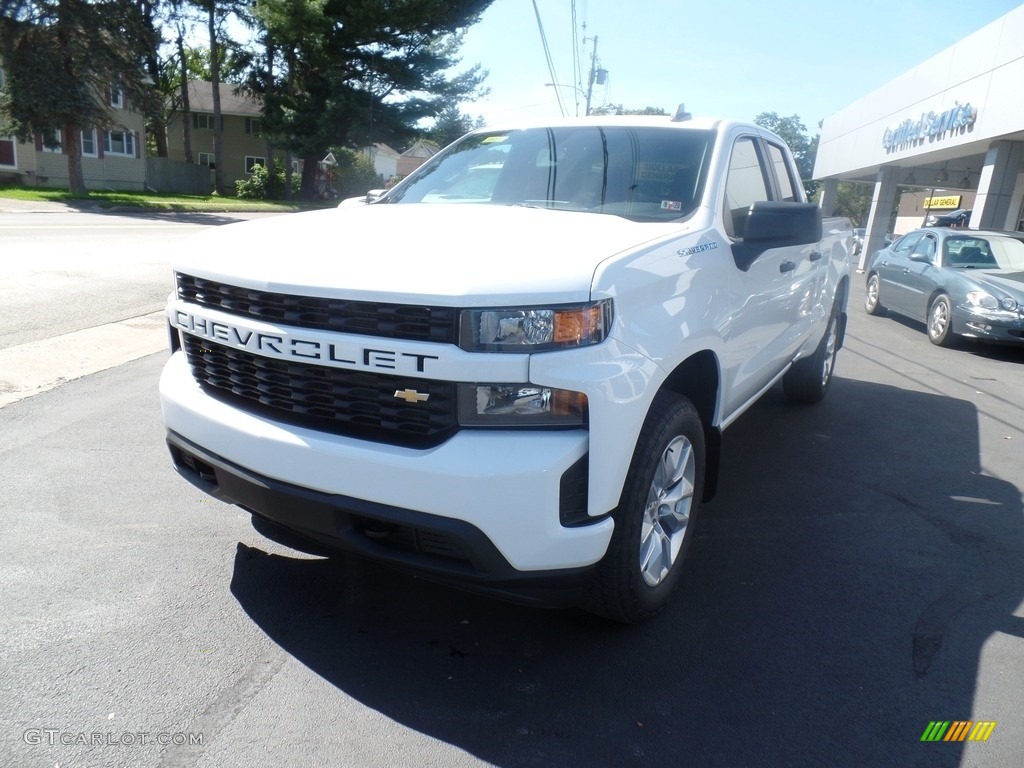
642,173
989,252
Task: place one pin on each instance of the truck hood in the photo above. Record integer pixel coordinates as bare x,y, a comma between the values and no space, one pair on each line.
446,255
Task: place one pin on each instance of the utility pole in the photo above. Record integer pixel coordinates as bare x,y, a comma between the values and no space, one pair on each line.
593,74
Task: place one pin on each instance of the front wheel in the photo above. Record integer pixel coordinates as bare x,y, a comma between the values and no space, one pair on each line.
808,380
872,297
940,322
655,519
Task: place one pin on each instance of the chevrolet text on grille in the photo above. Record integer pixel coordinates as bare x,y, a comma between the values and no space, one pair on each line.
275,345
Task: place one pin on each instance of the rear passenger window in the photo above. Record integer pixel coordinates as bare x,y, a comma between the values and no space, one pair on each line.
745,185
787,184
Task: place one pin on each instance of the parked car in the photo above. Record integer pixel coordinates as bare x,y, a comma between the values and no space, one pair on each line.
961,284
858,241
958,218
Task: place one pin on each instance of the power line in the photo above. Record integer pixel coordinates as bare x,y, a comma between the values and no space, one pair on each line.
547,55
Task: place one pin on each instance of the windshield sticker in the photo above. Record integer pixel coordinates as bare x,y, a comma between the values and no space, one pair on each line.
494,139
671,205
697,249
654,171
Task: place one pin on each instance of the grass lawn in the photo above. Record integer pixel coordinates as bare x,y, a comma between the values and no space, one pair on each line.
151,201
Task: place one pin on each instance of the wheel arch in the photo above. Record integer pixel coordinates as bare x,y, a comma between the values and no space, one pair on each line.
698,378
840,302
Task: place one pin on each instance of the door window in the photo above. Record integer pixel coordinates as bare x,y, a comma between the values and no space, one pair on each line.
746,184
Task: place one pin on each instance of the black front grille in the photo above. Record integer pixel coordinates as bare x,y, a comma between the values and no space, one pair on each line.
342,402
369,318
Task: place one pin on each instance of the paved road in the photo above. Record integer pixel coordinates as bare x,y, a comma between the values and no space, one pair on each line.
858,576
80,291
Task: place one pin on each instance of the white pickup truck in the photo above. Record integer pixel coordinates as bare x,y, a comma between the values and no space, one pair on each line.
513,370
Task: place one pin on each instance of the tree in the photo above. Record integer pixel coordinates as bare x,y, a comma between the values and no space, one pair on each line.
804,147
618,109
451,124
853,200
357,73
61,59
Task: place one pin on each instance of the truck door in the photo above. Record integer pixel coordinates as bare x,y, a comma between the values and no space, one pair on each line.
771,300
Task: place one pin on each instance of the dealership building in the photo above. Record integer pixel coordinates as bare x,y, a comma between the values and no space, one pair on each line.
947,134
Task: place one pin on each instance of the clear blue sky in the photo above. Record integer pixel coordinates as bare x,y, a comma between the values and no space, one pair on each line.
723,59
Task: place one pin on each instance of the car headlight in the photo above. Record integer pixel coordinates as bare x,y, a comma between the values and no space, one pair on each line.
982,300
520,405
1009,304
535,329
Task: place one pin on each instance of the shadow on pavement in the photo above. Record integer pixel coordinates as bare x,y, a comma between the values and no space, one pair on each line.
836,600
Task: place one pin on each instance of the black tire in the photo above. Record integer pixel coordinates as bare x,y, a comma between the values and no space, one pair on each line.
809,379
940,322
655,518
873,298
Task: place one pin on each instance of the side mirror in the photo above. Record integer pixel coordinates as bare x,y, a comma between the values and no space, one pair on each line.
771,224
375,194
921,257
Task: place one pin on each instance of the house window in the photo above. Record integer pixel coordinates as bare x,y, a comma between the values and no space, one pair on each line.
202,120
252,162
119,143
116,97
53,141
8,159
253,125
89,143
206,158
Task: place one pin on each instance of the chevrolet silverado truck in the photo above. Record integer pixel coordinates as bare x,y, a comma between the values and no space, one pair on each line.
513,370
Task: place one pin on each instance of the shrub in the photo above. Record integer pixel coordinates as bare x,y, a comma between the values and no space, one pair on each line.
263,184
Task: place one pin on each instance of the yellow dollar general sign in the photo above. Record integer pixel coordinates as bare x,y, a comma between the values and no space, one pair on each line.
949,201
958,730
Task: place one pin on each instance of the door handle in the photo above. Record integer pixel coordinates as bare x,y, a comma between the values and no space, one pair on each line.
787,266
815,255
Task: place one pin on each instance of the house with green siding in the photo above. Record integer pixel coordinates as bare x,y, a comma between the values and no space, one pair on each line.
112,158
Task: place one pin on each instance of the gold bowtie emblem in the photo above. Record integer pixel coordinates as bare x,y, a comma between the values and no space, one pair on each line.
411,396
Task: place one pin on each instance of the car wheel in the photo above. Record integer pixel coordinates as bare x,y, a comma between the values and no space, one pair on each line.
940,322
655,519
872,300
808,380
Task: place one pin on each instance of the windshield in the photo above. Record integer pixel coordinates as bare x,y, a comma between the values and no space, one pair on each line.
645,174
990,252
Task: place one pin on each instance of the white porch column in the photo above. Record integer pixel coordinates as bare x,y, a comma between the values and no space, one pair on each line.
883,201
1003,162
829,195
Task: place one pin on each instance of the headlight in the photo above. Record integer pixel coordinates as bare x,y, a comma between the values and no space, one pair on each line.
1009,304
520,405
982,299
535,329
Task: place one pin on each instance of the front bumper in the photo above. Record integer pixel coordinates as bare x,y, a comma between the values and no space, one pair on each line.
989,325
493,495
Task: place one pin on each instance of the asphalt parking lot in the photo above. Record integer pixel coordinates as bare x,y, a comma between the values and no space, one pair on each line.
858,576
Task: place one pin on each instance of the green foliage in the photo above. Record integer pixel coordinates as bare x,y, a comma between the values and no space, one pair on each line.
354,174
805,148
618,109
853,200
60,58
262,184
344,78
452,124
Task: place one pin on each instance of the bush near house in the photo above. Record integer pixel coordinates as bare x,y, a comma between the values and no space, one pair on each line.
263,184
